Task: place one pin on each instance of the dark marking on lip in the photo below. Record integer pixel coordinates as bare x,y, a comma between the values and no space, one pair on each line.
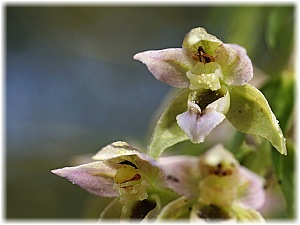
170,177
126,162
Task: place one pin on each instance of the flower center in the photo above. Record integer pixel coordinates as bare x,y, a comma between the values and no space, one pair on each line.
222,170
202,56
127,173
130,183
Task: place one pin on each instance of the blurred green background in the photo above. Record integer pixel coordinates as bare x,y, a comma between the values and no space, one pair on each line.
73,87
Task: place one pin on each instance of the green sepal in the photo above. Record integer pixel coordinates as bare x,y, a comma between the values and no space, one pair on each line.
177,209
113,210
250,113
247,215
278,90
167,132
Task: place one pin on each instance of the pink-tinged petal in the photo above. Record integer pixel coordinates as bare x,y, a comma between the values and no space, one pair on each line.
236,66
181,174
167,65
251,193
196,124
97,178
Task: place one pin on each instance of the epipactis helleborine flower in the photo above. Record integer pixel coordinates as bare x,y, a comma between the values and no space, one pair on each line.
124,172
212,186
217,75
217,188
206,66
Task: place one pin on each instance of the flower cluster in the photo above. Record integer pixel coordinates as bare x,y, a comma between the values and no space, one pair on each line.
211,186
214,80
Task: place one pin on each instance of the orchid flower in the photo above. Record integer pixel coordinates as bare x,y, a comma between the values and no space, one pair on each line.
213,186
175,187
214,76
123,172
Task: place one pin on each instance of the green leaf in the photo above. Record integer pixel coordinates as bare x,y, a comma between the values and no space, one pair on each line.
167,132
285,170
277,21
235,143
250,113
257,157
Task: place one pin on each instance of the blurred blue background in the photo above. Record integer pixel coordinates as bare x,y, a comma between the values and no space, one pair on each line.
73,87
